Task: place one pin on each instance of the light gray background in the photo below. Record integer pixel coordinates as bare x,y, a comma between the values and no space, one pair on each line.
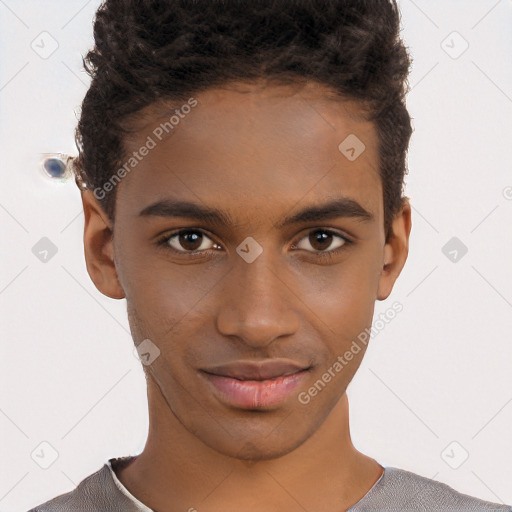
439,373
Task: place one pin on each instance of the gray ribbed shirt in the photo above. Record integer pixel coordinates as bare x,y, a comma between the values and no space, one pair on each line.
397,490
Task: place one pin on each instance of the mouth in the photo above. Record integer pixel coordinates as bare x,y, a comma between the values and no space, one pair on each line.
255,385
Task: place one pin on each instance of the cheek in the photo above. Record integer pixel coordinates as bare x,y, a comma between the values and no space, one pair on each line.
161,288
175,309
343,295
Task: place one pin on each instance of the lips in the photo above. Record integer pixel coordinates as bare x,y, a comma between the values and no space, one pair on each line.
256,371
250,385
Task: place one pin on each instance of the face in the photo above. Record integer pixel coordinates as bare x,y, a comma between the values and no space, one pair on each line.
248,236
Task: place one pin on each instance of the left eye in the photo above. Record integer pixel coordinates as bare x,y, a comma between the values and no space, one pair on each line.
321,239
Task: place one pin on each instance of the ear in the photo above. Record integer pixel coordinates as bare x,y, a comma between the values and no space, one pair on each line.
99,248
396,250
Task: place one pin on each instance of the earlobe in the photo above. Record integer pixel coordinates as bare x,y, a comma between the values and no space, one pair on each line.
99,248
396,251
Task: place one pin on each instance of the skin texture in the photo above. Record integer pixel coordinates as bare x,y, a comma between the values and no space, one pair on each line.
259,154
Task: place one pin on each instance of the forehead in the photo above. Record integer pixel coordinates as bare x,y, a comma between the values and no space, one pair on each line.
249,146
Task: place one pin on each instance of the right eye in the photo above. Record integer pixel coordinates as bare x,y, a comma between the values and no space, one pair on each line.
188,241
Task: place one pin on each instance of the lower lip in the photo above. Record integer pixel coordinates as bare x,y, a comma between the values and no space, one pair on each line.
255,394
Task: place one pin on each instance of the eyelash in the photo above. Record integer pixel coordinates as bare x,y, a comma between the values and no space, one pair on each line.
328,255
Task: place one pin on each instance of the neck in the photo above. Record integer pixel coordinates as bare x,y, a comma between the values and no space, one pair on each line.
176,471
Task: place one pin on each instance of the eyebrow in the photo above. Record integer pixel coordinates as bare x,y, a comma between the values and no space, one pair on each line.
339,207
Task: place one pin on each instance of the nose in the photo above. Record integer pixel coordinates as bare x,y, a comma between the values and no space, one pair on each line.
258,304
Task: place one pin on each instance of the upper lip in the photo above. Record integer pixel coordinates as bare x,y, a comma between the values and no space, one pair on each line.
256,371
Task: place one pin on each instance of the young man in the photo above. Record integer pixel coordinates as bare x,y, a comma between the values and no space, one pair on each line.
241,168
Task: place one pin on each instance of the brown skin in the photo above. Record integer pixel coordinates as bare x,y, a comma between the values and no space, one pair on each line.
259,154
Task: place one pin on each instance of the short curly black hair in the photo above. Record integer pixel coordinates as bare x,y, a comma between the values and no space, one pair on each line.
165,50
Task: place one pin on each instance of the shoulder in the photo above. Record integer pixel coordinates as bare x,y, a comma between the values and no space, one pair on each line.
96,492
401,490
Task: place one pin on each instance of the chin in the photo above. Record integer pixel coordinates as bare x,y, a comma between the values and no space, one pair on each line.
256,444
251,452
